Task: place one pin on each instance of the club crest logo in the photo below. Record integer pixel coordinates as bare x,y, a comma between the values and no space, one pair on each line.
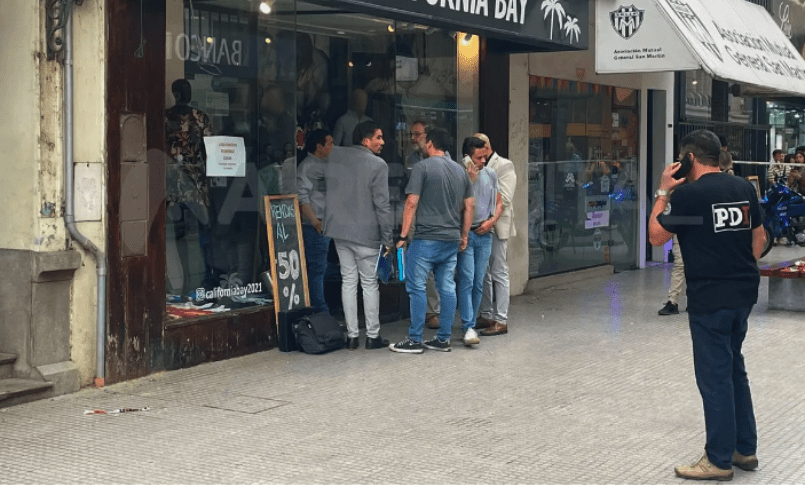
626,20
695,26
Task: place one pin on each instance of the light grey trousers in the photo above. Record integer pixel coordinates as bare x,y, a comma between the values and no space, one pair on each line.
495,299
359,262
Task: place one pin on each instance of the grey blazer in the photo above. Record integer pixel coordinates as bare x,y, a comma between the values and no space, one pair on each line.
357,199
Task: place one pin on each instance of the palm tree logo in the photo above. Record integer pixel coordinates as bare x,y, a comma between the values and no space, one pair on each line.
553,7
572,28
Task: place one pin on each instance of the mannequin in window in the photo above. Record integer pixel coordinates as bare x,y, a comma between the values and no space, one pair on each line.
311,85
186,183
345,125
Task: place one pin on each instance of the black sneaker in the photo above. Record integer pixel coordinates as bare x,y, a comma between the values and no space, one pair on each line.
436,344
376,343
669,309
407,346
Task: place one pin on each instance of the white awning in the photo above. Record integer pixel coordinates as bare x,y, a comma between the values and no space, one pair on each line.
731,40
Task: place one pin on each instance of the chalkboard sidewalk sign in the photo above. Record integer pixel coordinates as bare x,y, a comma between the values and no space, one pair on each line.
287,253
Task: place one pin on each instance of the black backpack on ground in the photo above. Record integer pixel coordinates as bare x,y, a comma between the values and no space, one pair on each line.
319,333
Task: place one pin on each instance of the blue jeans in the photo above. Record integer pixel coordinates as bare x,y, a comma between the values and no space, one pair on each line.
721,377
422,257
472,264
316,248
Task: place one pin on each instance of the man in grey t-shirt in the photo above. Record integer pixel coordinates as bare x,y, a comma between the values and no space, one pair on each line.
440,196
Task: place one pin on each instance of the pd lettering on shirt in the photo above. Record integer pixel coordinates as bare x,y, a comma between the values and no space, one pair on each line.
733,216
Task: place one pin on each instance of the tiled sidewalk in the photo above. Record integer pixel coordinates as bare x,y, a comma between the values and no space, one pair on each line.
589,386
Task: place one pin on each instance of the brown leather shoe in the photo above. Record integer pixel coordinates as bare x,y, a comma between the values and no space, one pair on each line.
432,322
482,323
496,329
744,462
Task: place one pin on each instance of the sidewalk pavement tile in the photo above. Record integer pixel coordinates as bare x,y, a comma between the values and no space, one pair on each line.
590,385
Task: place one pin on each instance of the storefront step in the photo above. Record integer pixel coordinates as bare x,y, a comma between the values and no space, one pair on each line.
537,284
7,365
18,391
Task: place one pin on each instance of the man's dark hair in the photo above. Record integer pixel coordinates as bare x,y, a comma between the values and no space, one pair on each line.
704,144
423,124
723,140
316,138
471,144
800,149
179,85
775,152
790,158
440,138
363,131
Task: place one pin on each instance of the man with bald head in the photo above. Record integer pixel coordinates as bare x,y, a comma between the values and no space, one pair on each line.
494,311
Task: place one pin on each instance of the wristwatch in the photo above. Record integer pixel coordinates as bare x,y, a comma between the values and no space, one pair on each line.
660,193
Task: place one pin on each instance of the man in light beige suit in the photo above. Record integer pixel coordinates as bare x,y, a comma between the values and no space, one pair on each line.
494,310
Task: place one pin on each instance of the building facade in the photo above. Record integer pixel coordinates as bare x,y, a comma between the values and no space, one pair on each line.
127,209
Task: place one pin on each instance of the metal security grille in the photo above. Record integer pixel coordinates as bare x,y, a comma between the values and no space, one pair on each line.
749,143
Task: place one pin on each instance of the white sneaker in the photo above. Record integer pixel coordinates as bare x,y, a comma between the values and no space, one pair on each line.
471,337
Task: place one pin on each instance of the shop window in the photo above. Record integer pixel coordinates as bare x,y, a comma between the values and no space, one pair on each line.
698,95
787,126
583,150
264,81
740,110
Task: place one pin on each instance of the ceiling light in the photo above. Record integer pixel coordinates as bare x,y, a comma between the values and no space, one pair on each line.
390,28
351,64
209,40
268,40
694,82
265,8
466,39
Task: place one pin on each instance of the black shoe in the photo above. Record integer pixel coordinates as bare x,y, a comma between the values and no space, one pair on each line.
376,343
669,309
436,344
352,343
407,346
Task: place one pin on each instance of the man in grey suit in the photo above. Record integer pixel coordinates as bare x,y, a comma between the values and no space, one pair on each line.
358,218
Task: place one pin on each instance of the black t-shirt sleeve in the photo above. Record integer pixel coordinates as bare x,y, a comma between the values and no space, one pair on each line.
676,215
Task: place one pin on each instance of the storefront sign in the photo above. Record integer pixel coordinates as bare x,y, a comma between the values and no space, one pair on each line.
790,17
561,24
214,50
226,156
636,37
731,40
287,252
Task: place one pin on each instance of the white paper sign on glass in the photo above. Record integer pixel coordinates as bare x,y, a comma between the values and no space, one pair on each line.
597,219
226,156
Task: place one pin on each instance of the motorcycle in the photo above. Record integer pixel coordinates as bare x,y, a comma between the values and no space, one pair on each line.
783,215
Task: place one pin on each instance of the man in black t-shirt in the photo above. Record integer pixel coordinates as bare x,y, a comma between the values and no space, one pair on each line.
718,222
